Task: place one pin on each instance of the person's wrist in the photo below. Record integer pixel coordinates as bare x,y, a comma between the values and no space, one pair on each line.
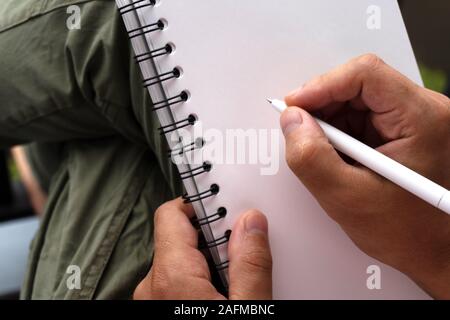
438,285
435,278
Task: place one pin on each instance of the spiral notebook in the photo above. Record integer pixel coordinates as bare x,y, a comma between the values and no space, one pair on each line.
209,65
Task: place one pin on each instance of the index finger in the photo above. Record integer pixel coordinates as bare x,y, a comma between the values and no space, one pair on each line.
366,80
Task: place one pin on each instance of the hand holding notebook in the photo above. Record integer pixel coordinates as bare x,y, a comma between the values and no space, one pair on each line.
180,271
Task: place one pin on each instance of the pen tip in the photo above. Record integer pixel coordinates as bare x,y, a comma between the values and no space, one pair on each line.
269,100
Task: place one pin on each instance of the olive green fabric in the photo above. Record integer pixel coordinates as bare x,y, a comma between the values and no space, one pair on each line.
44,160
78,96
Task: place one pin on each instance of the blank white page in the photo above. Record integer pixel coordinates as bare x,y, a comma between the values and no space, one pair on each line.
234,54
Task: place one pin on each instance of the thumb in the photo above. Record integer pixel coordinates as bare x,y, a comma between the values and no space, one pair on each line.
310,155
250,268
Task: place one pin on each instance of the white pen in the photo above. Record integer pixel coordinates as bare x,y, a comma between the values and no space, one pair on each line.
404,177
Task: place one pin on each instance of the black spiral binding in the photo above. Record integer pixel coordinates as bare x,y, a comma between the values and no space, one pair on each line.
212,191
197,144
189,121
205,167
138,32
160,78
222,266
166,50
219,214
135,5
216,242
182,97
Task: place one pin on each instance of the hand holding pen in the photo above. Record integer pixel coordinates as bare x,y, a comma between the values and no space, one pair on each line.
402,121
373,102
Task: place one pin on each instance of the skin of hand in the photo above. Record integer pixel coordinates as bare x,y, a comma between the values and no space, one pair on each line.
37,196
180,271
374,103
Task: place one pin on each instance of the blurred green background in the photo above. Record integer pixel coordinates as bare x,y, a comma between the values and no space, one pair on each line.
434,79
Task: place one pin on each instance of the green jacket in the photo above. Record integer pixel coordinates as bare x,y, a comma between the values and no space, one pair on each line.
78,96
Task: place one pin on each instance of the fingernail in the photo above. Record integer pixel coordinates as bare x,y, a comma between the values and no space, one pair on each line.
256,222
291,121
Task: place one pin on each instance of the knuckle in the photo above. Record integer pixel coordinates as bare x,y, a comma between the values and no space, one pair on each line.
158,213
296,156
370,61
445,107
308,150
162,210
317,80
303,154
165,207
434,108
